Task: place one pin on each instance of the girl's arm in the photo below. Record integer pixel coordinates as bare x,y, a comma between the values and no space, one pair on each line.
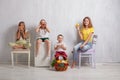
48,30
80,35
25,35
79,32
89,37
18,35
37,29
63,47
56,47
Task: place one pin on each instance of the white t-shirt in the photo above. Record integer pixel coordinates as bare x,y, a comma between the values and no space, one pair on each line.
60,49
43,33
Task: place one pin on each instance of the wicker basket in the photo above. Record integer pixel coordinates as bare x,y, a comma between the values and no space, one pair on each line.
61,68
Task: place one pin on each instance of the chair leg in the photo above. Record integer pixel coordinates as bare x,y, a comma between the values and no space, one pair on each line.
93,61
16,58
90,59
29,59
12,59
79,64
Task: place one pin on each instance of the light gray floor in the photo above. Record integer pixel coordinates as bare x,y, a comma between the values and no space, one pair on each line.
103,71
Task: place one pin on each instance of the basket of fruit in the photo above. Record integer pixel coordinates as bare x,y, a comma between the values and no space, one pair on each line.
60,63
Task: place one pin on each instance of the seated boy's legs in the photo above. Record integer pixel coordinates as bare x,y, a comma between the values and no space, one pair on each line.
43,39
47,41
60,53
38,42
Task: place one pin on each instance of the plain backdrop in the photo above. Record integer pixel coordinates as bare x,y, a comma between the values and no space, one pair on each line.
61,17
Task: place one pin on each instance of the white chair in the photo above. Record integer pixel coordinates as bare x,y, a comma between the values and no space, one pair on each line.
89,54
20,51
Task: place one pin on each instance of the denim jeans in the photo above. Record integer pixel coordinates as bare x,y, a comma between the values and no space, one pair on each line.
77,48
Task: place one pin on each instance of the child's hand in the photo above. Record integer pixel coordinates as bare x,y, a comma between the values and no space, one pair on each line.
82,46
58,46
47,28
77,26
39,26
19,29
62,45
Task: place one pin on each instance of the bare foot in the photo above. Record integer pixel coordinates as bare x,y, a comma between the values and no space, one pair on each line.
73,65
48,54
15,47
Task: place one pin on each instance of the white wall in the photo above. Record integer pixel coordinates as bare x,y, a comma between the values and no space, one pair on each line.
61,16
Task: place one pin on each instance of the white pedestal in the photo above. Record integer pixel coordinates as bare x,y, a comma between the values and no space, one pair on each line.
42,59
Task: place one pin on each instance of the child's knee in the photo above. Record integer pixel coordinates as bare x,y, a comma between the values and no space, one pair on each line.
75,48
11,44
85,48
47,42
27,45
38,41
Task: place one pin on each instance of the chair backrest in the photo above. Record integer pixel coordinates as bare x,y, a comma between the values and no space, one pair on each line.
28,36
94,40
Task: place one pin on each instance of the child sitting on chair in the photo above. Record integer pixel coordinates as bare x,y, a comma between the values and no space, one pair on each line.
60,48
42,36
21,38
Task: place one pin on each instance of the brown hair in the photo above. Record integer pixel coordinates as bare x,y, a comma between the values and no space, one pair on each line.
23,36
41,22
60,35
90,23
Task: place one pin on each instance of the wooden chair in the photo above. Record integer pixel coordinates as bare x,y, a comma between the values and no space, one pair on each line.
21,51
90,53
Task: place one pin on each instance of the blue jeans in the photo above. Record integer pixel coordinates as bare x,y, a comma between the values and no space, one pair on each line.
77,48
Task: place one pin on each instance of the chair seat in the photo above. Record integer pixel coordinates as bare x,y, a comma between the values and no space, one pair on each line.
20,50
90,51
